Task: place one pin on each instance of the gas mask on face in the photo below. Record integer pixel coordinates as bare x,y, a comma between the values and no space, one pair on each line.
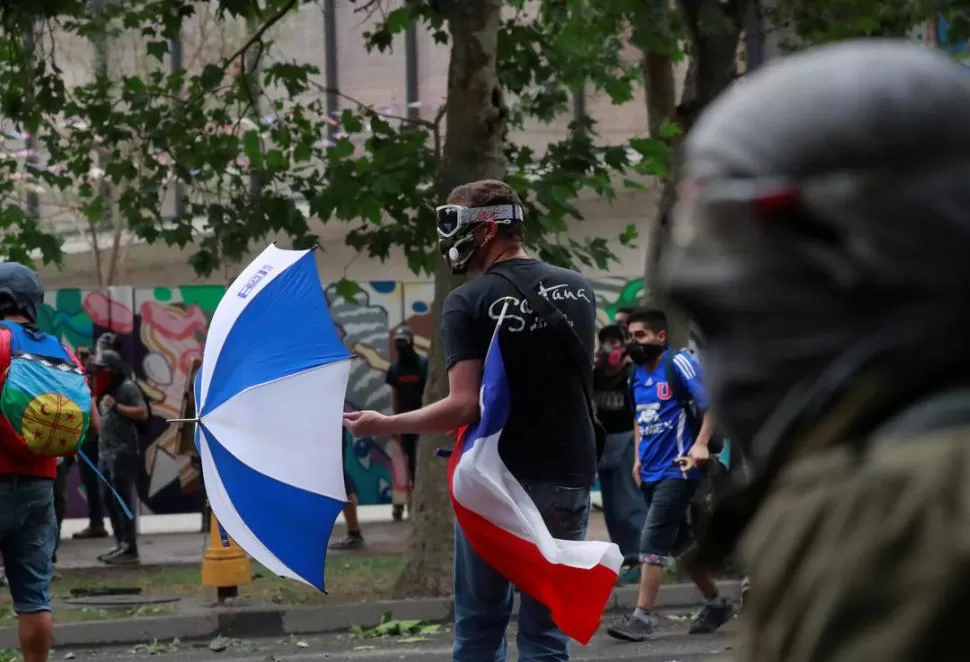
458,252
456,230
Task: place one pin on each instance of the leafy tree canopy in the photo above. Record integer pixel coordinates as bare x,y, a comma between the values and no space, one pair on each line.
241,139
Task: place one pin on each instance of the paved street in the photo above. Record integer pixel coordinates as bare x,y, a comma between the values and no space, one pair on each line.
670,644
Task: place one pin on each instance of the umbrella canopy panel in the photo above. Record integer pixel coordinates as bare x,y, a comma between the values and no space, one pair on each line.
270,392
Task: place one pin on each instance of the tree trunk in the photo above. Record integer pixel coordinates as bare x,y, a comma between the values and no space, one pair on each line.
475,123
714,31
658,75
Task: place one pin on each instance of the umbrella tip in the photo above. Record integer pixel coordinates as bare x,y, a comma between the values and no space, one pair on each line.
182,420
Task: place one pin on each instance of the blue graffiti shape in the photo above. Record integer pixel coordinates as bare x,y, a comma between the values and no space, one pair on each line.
367,468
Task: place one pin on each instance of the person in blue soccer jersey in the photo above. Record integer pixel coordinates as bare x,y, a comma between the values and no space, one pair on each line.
672,430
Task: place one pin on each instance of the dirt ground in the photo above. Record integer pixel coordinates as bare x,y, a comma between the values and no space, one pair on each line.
348,579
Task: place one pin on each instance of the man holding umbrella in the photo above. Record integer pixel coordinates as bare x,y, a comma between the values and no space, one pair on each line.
548,443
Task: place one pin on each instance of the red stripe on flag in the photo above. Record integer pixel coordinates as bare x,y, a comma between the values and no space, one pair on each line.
576,597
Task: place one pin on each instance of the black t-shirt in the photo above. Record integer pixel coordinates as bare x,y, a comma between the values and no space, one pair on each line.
611,393
408,379
549,436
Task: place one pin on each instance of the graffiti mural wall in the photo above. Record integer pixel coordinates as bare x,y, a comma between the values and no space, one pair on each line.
163,330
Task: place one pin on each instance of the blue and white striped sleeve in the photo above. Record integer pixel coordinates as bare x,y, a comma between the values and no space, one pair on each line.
693,378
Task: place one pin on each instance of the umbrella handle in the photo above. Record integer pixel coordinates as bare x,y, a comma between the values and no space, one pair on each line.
181,420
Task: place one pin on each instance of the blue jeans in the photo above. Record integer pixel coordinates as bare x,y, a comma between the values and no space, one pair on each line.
484,598
28,534
666,529
623,506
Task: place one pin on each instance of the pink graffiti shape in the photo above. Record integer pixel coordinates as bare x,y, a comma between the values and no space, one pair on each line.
176,325
109,313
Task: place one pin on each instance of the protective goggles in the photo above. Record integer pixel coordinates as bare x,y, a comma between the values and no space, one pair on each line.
451,219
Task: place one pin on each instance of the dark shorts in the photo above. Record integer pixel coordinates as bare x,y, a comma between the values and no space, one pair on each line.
666,530
28,534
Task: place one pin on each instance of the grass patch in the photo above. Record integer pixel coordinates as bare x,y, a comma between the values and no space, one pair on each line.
348,579
354,579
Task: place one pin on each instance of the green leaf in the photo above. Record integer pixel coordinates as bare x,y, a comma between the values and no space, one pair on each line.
629,235
370,209
211,76
351,122
398,20
670,129
253,148
342,149
276,160
347,290
157,49
94,211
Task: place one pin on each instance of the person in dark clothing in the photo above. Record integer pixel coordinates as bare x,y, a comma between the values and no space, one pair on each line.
623,507
89,479
820,242
549,442
620,318
407,378
122,406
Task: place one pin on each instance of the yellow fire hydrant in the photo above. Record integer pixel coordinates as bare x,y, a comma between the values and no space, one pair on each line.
225,567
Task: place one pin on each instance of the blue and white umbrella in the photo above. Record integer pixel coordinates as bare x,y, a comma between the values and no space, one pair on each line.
270,400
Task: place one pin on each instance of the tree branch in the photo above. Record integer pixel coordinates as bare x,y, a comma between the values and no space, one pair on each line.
436,129
370,7
418,121
258,35
255,37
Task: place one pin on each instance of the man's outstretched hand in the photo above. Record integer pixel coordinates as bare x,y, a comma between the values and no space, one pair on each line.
366,423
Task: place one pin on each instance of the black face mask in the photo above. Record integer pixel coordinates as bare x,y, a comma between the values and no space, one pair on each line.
641,353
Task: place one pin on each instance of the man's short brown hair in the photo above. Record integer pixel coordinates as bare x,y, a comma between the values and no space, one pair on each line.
486,193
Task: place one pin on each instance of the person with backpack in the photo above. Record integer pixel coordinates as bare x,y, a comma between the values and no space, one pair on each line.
667,391
123,408
45,412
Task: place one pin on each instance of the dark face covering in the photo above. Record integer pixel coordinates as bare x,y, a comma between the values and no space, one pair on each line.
641,353
406,352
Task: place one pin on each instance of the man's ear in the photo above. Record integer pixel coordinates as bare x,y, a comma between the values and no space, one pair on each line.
662,336
488,232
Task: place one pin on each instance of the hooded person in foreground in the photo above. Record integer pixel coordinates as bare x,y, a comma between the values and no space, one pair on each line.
822,244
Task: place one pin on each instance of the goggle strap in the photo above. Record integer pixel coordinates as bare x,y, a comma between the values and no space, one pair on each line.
490,213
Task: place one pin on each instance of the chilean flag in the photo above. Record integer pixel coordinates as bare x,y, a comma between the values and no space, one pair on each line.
574,579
